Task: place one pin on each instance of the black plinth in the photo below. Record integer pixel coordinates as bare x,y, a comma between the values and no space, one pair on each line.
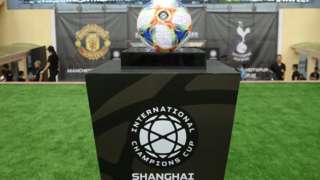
145,58
195,109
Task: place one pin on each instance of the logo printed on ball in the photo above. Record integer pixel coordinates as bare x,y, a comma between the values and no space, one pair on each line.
163,136
164,25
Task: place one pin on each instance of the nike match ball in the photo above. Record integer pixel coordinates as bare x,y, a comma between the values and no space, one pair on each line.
164,25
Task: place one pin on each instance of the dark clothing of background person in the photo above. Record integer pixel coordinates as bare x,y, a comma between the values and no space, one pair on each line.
21,79
302,77
314,76
278,70
36,74
295,75
8,75
54,65
21,76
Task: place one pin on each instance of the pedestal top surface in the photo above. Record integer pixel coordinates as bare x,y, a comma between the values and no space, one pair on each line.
178,51
114,67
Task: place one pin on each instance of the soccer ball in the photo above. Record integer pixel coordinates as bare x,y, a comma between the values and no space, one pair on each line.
163,137
164,25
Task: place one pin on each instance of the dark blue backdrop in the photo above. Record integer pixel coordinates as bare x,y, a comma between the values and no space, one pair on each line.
26,4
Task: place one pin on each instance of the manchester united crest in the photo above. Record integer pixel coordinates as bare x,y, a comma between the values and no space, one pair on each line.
93,42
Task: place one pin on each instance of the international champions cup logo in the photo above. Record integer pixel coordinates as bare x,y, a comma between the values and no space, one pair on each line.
163,136
242,53
93,42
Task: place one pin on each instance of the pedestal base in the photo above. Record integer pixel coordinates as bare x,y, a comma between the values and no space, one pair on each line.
184,117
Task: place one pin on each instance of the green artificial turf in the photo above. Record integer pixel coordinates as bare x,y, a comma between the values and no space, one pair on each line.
45,133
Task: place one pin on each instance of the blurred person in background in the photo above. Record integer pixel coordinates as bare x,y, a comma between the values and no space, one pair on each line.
52,64
21,76
315,74
295,75
301,77
2,78
7,74
243,72
36,71
278,69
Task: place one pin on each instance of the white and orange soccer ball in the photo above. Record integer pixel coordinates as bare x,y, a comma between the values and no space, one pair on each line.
164,25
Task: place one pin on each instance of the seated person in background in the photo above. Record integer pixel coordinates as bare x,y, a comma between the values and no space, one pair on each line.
278,69
7,75
302,78
20,78
295,75
315,74
36,72
2,78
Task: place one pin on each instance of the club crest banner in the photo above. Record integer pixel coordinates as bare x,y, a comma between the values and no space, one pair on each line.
245,40
84,41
